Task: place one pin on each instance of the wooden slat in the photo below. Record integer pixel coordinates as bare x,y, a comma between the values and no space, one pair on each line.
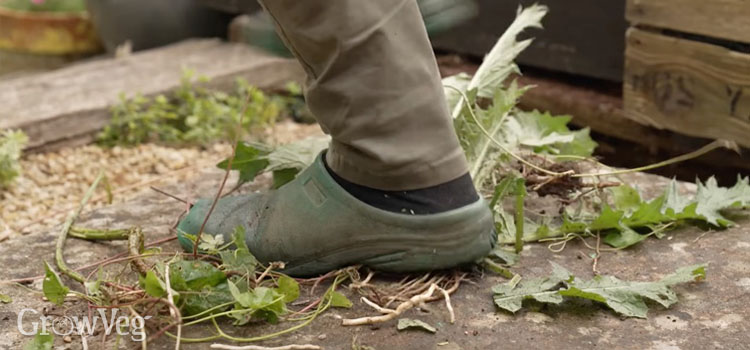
724,19
67,106
687,86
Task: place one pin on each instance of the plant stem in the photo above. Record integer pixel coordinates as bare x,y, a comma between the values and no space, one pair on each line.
59,259
520,195
223,181
99,235
694,154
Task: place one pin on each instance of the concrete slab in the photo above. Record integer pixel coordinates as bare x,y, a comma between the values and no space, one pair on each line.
714,314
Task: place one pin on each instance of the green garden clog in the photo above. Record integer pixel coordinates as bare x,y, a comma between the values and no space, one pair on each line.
313,225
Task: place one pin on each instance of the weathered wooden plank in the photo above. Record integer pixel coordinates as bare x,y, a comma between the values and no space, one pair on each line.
686,86
70,104
603,113
724,19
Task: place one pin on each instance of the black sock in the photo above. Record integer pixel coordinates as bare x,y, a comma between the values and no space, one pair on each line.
436,199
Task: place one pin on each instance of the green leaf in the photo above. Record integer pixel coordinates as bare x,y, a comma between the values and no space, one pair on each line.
288,287
407,323
5,299
624,297
210,243
239,259
498,64
53,288
194,275
283,176
11,147
510,296
507,257
41,342
153,285
195,302
339,300
627,298
249,159
297,155
626,198
712,199
624,238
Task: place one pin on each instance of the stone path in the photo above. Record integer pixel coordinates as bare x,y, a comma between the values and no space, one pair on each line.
714,314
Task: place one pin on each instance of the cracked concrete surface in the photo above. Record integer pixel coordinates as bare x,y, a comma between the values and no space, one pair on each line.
714,314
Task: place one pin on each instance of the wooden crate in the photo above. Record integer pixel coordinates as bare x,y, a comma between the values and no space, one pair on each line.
683,75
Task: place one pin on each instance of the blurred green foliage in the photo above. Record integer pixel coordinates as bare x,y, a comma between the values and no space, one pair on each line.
191,115
44,5
11,146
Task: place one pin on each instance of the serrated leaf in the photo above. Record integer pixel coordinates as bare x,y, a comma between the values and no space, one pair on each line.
41,342
498,64
407,323
712,199
53,288
510,296
626,198
297,155
339,300
627,298
507,257
624,297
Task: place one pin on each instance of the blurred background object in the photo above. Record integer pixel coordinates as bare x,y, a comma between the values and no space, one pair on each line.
39,35
256,27
151,23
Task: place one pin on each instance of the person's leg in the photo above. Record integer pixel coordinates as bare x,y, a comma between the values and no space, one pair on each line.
373,84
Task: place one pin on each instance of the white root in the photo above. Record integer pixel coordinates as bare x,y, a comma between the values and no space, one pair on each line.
412,302
257,347
448,304
377,307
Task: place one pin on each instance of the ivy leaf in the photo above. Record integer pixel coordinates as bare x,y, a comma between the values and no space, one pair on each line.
339,300
41,341
239,259
194,275
53,288
153,285
288,287
193,303
249,159
406,323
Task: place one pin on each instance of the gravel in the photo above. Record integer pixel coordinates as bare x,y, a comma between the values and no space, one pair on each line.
53,183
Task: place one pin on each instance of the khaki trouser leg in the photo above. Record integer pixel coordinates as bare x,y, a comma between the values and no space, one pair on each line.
373,85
